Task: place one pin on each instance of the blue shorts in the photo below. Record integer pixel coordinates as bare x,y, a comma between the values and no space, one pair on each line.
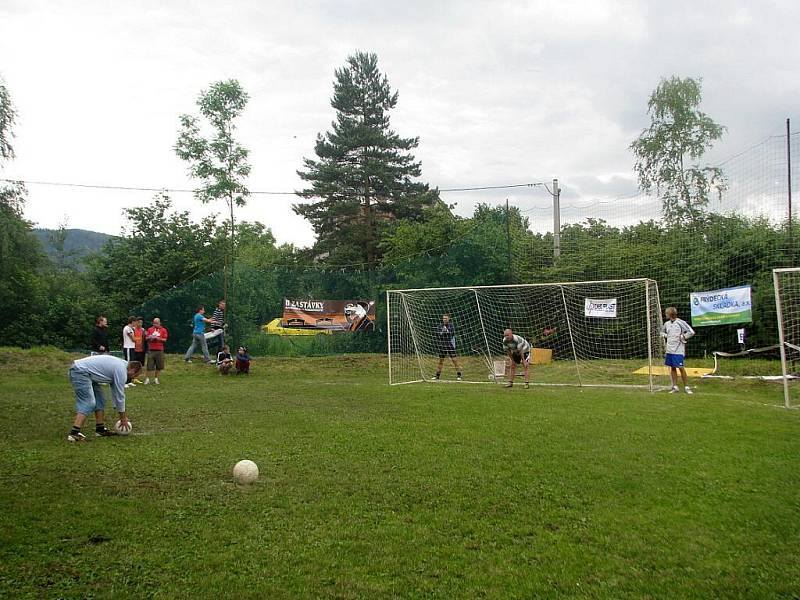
88,394
673,360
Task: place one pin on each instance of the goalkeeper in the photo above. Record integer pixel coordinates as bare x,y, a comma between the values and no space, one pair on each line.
519,351
446,335
675,333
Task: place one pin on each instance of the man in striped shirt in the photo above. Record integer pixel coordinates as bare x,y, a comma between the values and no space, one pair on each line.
519,351
218,325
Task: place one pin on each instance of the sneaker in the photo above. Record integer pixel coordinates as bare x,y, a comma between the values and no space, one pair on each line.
147,381
688,390
156,381
458,378
674,390
188,362
130,385
527,385
76,437
436,377
509,384
137,382
105,432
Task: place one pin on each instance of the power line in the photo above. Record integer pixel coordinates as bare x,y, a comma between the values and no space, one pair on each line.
254,192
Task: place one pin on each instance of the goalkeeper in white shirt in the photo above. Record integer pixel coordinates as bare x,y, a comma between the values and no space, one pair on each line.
675,333
519,351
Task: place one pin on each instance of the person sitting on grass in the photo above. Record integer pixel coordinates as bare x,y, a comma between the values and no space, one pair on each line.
86,375
519,351
224,360
242,361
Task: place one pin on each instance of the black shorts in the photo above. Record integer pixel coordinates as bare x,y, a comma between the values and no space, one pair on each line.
445,352
518,358
129,354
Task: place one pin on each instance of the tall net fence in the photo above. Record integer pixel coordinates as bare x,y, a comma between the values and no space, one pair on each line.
744,235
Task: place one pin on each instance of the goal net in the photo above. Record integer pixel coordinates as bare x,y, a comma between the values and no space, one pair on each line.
603,333
787,305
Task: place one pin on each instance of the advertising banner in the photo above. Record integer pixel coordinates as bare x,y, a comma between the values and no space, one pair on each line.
329,315
603,308
721,307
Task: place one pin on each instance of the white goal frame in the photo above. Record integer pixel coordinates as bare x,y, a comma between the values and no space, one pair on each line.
411,349
782,342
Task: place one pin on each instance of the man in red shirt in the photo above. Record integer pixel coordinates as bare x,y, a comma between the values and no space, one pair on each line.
156,336
138,340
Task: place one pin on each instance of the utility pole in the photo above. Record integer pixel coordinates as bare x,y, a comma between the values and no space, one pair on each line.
556,193
789,187
508,243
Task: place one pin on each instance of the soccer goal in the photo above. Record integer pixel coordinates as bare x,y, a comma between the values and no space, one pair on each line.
787,306
591,333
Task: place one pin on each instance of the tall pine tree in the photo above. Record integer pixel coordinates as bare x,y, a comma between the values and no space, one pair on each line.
363,175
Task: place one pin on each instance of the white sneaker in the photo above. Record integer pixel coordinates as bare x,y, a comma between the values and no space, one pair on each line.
458,378
147,381
130,385
688,390
674,390
156,381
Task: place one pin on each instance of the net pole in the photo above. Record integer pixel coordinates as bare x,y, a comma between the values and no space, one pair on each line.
414,339
789,188
571,339
508,243
649,333
389,333
781,341
483,330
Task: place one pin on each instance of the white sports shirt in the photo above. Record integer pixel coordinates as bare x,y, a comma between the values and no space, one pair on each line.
516,344
127,342
676,333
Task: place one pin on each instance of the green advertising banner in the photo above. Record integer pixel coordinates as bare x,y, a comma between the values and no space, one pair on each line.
721,307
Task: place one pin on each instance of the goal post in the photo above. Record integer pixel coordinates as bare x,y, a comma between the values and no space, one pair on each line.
787,306
589,333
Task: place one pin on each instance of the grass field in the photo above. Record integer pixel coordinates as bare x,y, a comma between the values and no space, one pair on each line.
367,491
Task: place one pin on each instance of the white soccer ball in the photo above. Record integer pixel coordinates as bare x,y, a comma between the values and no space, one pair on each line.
123,430
245,472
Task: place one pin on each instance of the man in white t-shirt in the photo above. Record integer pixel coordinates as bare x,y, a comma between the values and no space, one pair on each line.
676,333
128,341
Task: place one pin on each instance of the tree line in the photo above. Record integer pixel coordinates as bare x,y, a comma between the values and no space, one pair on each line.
377,226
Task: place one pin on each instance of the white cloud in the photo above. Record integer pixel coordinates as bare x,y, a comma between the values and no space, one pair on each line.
497,92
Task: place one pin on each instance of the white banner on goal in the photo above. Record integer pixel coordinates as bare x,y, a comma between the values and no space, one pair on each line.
602,309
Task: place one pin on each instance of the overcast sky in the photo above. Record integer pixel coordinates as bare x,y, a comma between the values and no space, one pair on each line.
498,92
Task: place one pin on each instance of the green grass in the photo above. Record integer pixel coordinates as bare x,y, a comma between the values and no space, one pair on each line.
367,491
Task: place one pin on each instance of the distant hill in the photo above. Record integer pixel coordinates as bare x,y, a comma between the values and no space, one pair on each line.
78,244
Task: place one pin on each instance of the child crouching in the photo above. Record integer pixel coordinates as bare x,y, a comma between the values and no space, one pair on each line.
224,360
242,361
